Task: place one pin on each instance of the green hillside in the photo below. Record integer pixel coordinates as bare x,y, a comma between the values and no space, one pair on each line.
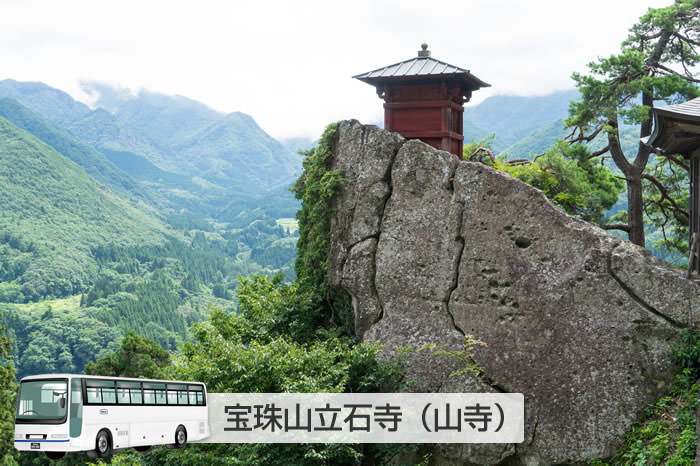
236,150
513,118
53,215
77,252
187,137
190,156
102,130
95,163
538,141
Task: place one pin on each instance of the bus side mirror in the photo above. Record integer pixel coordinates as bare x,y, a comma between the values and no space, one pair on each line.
63,403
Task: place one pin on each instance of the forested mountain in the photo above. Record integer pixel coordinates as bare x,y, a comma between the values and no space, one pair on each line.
539,140
102,130
51,103
192,156
53,214
524,125
514,118
94,235
230,151
169,120
94,162
235,150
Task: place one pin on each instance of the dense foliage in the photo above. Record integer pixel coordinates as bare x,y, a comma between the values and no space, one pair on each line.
94,163
156,291
136,357
46,341
316,188
53,214
270,347
8,454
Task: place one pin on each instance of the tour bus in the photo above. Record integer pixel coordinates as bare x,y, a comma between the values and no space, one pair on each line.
59,413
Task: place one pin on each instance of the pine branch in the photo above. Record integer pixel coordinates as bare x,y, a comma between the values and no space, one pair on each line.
665,196
599,152
676,73
581,136
685,39
677,161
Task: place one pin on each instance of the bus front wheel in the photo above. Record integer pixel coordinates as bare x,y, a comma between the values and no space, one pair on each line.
180,437
103,444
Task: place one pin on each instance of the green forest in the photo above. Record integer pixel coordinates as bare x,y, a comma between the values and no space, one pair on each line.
164,239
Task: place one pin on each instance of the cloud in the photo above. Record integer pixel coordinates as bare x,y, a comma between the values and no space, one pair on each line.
289,64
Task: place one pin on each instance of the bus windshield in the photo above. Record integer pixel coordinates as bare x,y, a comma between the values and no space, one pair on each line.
40,400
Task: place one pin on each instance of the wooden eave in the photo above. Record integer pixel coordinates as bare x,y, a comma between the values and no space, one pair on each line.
674,132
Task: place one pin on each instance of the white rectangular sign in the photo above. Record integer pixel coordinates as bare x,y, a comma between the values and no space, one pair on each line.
366,418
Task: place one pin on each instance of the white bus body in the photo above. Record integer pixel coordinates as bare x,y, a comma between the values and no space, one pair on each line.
58,413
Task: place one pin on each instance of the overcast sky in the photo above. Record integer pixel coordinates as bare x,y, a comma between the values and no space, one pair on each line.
289,63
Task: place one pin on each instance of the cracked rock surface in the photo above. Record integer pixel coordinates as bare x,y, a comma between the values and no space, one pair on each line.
580,321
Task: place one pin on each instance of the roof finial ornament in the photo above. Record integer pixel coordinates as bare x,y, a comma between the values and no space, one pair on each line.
425,52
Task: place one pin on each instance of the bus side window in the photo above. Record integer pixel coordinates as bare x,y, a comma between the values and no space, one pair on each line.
108,395
196,395
129,393
154,393
101,391
136,396
174,394
149,396
123,396
93,395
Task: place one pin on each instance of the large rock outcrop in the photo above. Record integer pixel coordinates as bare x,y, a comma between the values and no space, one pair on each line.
432,249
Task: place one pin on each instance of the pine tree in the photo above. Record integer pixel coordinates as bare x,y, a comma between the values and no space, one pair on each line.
656,64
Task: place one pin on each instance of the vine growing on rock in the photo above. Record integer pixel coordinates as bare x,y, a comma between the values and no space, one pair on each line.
316,188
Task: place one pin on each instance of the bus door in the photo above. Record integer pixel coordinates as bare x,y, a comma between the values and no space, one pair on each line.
76,407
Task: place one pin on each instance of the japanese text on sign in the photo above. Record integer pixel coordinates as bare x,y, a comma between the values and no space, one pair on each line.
366,417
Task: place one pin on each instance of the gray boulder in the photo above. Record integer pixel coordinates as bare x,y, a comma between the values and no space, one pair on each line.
581,321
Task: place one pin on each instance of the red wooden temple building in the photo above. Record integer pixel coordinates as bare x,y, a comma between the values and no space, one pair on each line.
677,131
424,99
